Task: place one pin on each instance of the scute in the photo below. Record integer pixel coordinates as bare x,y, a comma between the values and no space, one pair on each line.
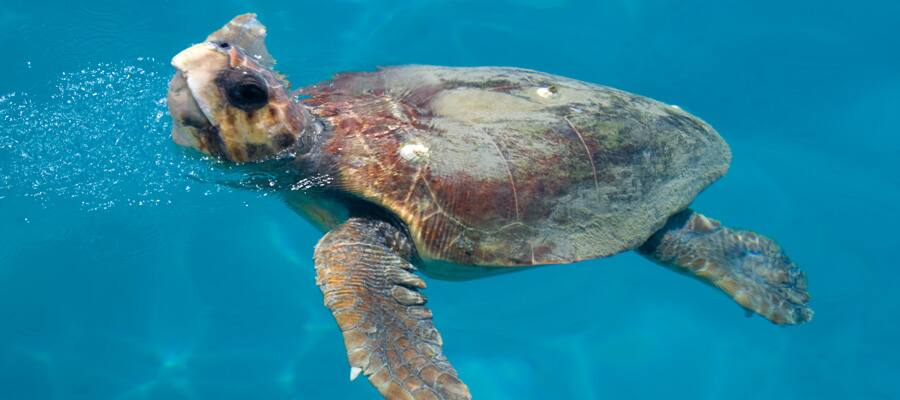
514,167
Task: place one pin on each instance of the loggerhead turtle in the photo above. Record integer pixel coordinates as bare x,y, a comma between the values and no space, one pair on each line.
463,173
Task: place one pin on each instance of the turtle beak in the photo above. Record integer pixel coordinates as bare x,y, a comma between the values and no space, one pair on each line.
194,57
199,65
184,111
192,95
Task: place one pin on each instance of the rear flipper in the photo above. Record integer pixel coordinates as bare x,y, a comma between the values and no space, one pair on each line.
751,268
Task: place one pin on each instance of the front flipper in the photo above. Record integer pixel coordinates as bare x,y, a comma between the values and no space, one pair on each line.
363,269
750,267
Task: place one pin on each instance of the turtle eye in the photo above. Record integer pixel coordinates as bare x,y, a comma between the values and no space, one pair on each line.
245,90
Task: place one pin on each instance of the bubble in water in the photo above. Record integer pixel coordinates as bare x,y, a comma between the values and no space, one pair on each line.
100,139
315,181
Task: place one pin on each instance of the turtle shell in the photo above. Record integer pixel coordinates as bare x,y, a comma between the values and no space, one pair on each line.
511,167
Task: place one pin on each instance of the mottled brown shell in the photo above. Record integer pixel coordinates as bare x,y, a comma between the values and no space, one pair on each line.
511,167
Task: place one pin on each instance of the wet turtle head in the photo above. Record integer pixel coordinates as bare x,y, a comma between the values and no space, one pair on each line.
226,101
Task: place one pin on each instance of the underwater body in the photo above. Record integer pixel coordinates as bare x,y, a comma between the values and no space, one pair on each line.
132,271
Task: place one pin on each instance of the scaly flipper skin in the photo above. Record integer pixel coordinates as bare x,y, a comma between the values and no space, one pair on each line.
363,269
750,267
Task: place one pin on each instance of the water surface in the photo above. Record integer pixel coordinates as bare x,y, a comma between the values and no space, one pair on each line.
126,272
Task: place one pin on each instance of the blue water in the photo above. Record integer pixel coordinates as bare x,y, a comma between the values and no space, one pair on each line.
126,272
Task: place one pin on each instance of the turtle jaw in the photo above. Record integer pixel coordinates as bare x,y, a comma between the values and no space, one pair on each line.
195,68
191,99
191,127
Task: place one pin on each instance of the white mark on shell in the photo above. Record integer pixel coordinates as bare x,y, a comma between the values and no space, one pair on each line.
547,92
674,106
414,152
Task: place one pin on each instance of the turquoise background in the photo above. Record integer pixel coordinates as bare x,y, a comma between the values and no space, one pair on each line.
127,273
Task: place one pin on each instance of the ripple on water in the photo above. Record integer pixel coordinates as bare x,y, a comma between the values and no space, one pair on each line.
100,138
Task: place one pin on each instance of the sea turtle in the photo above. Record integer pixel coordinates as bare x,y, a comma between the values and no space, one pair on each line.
462,173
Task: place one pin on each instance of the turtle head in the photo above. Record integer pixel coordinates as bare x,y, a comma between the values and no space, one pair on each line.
226,101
